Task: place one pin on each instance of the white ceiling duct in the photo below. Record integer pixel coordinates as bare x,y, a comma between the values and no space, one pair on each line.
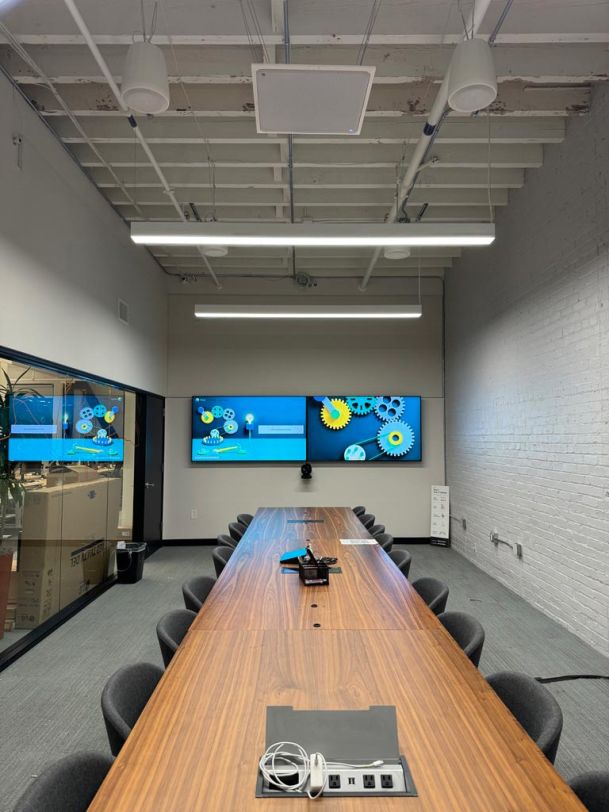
472,83
145,87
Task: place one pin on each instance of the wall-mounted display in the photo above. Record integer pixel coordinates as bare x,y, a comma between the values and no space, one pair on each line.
366,428
68,428
248,429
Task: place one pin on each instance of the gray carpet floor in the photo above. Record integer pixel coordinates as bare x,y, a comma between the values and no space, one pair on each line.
49,699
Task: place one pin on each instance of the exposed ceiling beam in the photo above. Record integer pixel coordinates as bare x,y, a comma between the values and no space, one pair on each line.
241,40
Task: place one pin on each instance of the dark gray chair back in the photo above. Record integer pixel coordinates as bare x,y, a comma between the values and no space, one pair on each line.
226,541
534,707
196,590
466,631
69,785
359,511
386,541
592,789
433,592
402,559
124,697
237,531
171,630
220,558
245,519
377,530
368,520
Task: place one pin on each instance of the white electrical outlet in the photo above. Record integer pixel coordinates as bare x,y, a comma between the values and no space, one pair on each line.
194,513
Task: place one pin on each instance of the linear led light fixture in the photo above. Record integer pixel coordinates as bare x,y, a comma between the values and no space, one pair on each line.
313,234
308,311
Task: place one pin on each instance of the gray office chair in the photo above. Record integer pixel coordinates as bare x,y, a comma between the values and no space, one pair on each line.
368,520
69,785
220,558
359,511
533,706
226,541
386,541
592,789
466,631
196,590
171,630
124,698
377,530
245,519
402,559
433,592
237,531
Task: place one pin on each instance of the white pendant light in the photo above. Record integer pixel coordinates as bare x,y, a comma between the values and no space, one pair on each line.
335,235
145,87
308,311
472,83
396,252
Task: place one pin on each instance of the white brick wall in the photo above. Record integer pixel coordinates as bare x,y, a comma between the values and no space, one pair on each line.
527,386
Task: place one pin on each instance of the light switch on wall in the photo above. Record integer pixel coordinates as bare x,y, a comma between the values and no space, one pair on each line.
194,513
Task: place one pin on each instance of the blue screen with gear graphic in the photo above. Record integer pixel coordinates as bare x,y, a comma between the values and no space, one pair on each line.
248,429
368,428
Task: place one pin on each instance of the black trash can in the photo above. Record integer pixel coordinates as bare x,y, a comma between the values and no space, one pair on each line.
130,562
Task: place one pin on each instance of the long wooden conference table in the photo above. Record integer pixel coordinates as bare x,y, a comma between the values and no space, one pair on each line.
262,638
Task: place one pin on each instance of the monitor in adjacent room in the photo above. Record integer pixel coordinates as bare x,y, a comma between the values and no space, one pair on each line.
226,428
367,428
70,428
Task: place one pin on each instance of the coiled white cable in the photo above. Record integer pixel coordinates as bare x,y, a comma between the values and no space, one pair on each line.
276,758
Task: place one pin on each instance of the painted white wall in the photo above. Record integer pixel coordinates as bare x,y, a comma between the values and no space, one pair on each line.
527,386
296,358
66,258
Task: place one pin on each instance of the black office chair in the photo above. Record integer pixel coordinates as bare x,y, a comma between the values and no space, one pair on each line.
592,789
386,541
359,511
171,630
69,785
534,707
226,541
368,520
245,519
220,557
402,559
377,530
237,531
433,592
124,698
466,631
196,590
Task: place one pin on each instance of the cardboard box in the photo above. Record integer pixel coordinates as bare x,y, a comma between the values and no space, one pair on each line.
83,566
37,597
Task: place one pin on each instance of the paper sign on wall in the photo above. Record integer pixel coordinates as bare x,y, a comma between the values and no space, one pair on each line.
440,512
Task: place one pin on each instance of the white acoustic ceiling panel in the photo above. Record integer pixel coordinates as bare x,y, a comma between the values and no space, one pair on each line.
311,99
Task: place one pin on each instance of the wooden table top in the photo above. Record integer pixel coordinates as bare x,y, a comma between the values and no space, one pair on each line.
197,743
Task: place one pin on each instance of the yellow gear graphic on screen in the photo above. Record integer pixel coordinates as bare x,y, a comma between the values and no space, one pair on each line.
207,417
339,420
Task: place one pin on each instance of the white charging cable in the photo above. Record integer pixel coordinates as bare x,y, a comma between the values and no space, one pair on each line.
311,769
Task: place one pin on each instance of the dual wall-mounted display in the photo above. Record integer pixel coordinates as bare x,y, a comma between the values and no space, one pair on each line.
68,428
323,428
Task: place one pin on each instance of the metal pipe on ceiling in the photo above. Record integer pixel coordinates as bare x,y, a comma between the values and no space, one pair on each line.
101,62
429,133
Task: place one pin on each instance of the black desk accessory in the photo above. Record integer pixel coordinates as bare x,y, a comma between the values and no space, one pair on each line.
313,571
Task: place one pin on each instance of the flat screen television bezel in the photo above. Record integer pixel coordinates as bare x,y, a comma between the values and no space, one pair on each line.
396,461
199,463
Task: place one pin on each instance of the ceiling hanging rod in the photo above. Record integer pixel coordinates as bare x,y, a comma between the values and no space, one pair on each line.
101,62
429,132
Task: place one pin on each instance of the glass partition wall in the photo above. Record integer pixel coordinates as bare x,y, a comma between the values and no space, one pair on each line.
66,491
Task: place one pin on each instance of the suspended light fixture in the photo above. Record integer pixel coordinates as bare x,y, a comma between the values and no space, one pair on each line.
472,83
396,252
308,311
313,234
145,87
